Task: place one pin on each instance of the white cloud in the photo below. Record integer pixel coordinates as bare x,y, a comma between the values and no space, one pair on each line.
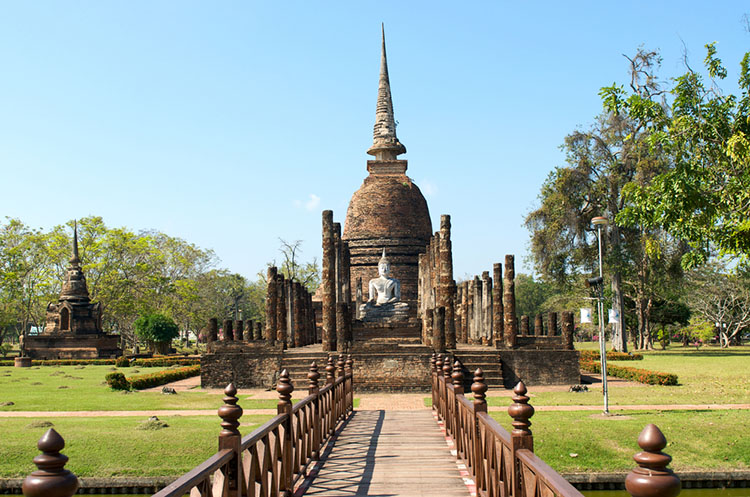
310,204
428,188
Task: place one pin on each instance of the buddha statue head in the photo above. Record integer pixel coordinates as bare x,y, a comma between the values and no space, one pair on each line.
384,266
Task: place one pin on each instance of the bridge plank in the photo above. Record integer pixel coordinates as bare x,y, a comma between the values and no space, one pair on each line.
389,453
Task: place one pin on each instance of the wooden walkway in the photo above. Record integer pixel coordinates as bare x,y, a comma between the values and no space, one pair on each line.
388,453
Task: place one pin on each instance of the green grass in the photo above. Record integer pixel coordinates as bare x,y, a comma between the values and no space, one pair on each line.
707,376
38,389
105,447
697,440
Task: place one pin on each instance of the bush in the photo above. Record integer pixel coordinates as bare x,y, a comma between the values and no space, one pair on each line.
117,381
166,361
635,374
593,355
142,381
122,362
146,363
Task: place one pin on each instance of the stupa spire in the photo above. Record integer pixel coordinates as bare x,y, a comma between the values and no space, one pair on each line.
74,259
385,144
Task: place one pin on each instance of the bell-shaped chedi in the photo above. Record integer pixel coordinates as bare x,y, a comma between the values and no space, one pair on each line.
388,211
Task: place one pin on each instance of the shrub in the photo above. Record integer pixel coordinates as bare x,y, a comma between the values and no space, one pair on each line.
166,361
117,381
122,362
142,381
593,355
146,363
635,374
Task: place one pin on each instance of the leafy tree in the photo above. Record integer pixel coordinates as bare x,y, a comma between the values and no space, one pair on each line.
307,273
703,197
531,295
156,330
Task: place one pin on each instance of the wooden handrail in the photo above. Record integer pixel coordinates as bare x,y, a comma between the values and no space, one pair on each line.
198,474
536,472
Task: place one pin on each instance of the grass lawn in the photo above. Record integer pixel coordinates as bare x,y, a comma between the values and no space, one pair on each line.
710,375
697,440
105,447
40,388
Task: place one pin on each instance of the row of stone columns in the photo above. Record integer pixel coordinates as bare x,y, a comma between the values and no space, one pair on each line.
437,290
235,330
566,328
337,293
290,317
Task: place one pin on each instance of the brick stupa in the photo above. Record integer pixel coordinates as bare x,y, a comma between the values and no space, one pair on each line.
388,211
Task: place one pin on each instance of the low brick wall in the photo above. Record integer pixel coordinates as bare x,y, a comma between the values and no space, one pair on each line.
247,364
540,367
389,371
73,347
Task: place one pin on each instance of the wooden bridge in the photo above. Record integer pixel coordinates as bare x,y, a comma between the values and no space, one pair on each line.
321,446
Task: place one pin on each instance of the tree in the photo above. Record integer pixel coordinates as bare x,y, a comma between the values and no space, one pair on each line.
531,295
703,197
157,331
307,273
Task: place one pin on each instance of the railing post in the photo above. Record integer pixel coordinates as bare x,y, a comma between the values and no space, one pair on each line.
330,370
350,381
652,478
314,389
433,370
479,387
447,370
520,437
438,386
230,438
330,378
457,376
51,479
341,396
285,389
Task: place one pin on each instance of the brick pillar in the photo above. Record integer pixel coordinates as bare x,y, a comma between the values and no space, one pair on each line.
258,333
538,325
551,324
509,302
299,315
271,303
470,315
249,327
346,275
568,326
524,325
213,330
329,283
239,330
420,284
281,309
465,312
438,329
341,310
446,293
429,325
228,332
358,301
498,324
450,318
487,306
478,331
338,256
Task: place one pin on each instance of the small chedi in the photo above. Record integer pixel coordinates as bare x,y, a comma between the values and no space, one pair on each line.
74,323
384,303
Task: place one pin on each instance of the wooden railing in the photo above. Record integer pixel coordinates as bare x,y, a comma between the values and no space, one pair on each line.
504,464
267,462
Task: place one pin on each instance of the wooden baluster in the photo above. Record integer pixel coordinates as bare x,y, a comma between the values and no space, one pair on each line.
331,415
314,389
458,389
230,438
51,479
479,387
285,389
330,370
341,391
438,384
520,437
433,376
652,478
458,378
447,369
350,382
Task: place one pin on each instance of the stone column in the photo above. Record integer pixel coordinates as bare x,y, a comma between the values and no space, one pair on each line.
487,306
239,330
281,309
289,299
479,331
228,332
429,325
420,284
329,283
258,333
299,315
446,293
509,302
450,318
470,315
213,330
465,312
249,330
538,325
358,297
551,324
346,275
498,323
438,329
568,326
341,311
524,325
271,304
338,256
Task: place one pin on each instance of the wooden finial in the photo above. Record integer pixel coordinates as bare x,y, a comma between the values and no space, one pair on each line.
340,366
330,370
285,389
433,361
652,477
349,364
313,376
447,369
458,377
479,387
230,413
520,411
439,363
51,479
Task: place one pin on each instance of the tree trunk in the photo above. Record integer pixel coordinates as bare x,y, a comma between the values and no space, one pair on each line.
619,338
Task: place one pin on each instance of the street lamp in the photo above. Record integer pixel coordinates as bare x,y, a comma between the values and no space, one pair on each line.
601,222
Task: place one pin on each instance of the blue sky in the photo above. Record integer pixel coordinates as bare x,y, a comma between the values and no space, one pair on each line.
231,124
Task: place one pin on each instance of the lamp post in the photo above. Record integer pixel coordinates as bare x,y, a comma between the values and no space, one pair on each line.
601,222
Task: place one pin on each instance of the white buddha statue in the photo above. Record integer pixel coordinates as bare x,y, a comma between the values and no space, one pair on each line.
384,289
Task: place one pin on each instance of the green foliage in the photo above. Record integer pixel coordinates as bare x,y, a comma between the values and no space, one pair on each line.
531,295
594,355
156,328
142,381
122,362
700,332
628,373
117,381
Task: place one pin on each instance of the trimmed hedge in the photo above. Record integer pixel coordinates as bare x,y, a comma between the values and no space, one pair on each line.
117,381
593,355
144,363
635,374
142,381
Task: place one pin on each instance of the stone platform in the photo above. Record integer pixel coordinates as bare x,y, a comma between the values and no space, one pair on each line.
51,346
